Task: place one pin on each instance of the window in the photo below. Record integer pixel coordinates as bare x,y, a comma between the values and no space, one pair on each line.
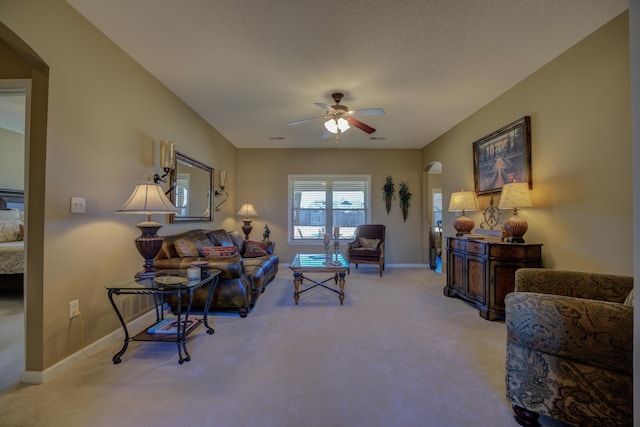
317,204
182,193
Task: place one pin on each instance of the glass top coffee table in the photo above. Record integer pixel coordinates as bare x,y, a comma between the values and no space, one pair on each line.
336,265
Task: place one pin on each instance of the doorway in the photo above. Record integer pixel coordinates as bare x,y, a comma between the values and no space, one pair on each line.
433,215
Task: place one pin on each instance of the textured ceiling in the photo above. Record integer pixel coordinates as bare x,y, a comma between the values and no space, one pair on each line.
250,67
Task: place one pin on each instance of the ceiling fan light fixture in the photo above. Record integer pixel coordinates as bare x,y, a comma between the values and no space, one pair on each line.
333,125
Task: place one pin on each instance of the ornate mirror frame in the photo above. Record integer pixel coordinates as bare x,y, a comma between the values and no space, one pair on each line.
191,190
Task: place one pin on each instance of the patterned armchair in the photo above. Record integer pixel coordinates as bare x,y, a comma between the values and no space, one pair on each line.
368,246
570,347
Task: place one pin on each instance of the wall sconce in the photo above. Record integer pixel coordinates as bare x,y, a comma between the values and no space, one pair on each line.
247,211
462,201
167,160
222,183
515,195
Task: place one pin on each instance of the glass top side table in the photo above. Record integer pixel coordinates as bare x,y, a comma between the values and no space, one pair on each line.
170,282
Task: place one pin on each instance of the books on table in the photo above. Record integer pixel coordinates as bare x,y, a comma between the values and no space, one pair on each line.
170,325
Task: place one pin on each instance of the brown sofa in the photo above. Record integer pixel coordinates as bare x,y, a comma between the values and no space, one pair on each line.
244,276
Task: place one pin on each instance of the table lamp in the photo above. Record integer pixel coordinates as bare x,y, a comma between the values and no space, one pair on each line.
247,211
148,198
515,195
462,201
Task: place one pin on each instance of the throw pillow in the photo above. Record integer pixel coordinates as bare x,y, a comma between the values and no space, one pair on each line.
9,230
369,243
254,249
21,232
629,299
219,251
9,214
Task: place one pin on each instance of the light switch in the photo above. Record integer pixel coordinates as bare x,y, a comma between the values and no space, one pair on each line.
78,204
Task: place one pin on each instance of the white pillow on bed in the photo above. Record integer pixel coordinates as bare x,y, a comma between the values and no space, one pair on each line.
10,214
9,230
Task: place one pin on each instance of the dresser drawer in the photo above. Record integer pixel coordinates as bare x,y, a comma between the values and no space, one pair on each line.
477,248
458,244
512,251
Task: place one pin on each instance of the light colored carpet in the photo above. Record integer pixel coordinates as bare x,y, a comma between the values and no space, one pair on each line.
398,353
11,338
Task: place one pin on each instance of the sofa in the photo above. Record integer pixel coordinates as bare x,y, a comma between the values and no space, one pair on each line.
570,347
247,267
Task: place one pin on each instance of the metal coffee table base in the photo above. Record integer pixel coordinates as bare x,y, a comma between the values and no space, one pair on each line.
299,277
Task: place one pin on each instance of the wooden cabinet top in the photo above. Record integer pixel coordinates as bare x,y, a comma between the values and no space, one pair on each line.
495,248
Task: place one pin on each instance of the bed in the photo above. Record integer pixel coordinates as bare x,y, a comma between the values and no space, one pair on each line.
11,238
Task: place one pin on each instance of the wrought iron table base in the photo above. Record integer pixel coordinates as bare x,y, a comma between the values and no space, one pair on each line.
337,277
180,338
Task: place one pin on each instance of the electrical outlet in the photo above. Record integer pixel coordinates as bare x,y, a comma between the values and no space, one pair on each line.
74,308
78,204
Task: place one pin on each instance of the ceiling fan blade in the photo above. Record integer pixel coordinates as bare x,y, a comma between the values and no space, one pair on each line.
297,122
367,112
326,134
360,125
325,106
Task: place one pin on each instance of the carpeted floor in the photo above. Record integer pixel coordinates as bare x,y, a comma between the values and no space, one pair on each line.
11,338
398,353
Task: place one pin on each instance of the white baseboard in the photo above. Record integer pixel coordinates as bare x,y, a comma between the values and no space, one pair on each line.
113,340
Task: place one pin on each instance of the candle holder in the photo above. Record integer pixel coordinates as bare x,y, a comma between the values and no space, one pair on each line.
336,245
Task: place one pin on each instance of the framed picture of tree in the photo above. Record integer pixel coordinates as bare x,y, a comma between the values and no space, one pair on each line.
502,157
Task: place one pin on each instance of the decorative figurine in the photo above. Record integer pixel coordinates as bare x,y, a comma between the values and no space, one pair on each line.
267,232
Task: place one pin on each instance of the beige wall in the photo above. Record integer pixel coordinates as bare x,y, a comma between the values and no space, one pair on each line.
11,160
105,116
263,179
581,153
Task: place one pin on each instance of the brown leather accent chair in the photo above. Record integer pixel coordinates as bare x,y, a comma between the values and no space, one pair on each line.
368,246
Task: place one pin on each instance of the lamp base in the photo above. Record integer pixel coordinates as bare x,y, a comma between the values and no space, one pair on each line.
246,229
463,225
515,228
148,245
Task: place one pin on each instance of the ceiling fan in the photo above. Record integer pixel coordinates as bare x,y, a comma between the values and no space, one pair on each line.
339,118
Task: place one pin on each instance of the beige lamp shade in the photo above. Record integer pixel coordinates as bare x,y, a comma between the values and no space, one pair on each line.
247,210
462,201
148,198
515,195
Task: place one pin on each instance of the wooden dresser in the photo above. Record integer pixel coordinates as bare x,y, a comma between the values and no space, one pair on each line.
483,271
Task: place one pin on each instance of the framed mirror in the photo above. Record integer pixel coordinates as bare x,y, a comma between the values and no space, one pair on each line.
192,187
